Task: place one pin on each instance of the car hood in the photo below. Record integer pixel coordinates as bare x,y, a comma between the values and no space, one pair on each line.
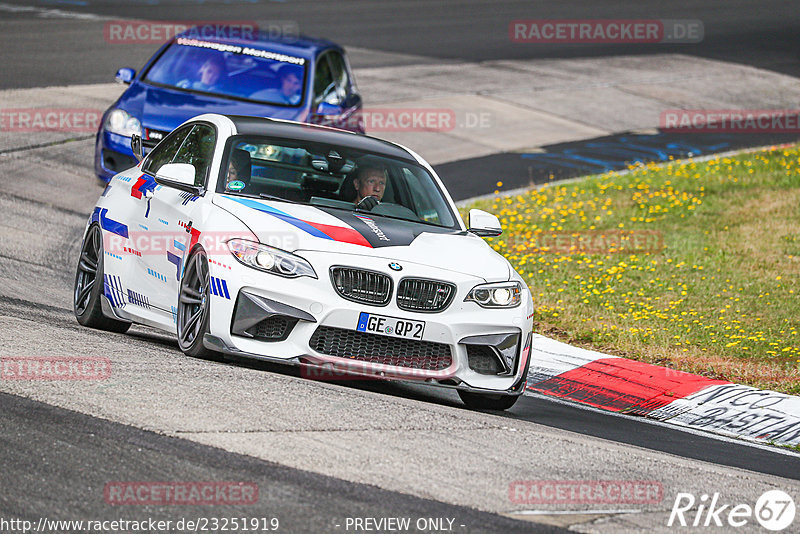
297,227
165,109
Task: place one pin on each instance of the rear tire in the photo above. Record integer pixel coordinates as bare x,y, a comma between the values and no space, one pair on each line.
482,401
194,308
88,286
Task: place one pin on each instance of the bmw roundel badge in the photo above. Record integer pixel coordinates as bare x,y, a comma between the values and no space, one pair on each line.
395,266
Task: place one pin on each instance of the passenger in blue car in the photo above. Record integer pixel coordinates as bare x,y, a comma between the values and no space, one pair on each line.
287,93
209,75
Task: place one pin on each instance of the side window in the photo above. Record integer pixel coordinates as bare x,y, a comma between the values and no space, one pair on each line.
339,72
197,150
323,80
165,151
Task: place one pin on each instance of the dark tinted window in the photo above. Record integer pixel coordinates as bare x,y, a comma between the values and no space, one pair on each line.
197,150
323,80
339,72
165,151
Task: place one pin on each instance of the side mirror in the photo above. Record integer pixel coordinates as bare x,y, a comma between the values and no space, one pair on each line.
125,75
483,224
136,147
328,109
178,175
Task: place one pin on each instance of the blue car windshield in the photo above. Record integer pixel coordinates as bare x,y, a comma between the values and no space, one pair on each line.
231,71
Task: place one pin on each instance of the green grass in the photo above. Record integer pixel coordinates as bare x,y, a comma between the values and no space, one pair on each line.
717,295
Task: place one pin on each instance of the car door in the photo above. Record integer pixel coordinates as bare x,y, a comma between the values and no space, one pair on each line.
336,101
178,213
148,232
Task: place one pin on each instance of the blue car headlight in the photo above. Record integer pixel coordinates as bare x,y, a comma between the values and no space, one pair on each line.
123,123
270,259
496,295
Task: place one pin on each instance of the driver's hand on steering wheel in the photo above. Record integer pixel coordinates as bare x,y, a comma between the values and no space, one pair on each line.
367,203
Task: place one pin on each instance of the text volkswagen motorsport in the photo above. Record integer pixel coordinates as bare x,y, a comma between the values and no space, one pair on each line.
306,245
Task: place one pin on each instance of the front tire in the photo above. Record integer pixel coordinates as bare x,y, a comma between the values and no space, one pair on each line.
88,286
482,401
194,308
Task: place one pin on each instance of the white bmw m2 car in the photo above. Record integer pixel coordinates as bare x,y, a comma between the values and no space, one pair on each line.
309,246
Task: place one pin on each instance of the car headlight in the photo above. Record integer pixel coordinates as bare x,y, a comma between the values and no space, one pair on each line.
123,123
270,259
496,295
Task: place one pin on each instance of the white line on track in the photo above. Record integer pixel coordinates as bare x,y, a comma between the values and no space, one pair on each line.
48,13
572,512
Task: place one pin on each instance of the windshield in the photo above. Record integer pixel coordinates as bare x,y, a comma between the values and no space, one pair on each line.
231,71
333,177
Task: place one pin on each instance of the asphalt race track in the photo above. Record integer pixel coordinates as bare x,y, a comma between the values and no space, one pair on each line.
318,452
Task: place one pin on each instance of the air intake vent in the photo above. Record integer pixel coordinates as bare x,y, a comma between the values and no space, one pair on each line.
483,360
422,295
360,285
275,328
386,350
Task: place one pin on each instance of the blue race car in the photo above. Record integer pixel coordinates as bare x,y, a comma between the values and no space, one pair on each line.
297,78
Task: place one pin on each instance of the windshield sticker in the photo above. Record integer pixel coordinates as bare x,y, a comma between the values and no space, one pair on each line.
235,185
233,49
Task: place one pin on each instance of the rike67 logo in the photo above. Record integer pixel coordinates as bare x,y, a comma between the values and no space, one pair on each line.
774,510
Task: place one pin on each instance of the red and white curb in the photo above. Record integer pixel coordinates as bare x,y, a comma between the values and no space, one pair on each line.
627,386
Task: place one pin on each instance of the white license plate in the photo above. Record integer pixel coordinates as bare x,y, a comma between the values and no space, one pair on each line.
390,326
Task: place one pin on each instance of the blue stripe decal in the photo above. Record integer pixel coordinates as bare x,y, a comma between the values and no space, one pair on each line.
179,245
110,291
118,284
138,299
107,290
303,225
111,225
225,288
213,286
174,258
112,288
219,287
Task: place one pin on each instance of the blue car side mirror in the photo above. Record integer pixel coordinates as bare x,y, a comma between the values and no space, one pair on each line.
329,109
125,75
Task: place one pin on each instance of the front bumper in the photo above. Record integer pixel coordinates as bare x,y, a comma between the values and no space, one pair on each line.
112,155
310,304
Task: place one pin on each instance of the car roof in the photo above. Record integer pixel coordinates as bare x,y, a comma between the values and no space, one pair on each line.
318,134
299,45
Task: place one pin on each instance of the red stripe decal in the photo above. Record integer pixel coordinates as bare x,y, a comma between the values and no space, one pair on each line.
136,192
344,235
195,238
622,385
